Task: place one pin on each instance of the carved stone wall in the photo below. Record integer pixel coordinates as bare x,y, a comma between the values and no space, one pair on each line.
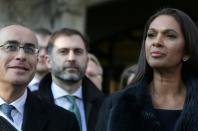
51,14
69,13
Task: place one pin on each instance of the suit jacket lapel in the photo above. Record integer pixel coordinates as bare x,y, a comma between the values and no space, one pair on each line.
88,97
88,107
45,90
35,115
92,99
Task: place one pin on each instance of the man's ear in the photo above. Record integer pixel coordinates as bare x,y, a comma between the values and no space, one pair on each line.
185,58
49,62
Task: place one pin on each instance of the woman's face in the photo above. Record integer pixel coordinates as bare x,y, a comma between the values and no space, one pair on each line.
164,44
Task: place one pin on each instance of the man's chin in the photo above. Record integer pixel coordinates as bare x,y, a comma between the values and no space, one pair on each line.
19,81
71,80
41,69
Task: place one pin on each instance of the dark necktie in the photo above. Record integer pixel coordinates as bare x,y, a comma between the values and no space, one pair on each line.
7,109
74,108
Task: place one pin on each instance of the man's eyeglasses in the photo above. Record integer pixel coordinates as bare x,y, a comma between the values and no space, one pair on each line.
14,46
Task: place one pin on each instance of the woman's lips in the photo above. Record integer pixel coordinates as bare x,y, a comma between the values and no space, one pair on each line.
157,54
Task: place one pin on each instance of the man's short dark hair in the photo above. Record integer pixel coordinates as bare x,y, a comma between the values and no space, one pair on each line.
65,32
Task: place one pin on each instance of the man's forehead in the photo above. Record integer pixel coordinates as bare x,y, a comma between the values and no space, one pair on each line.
73,41
42,40
18,33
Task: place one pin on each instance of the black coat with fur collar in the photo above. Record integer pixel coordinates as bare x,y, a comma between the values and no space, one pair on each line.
132,110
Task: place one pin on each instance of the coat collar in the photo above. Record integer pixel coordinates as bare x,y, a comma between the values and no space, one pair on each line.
136,111
35,114
89,90
92,97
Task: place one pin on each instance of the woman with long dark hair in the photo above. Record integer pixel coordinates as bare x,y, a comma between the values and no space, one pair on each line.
164,93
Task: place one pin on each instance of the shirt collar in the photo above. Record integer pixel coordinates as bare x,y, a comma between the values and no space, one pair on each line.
18,103
59,92
34,81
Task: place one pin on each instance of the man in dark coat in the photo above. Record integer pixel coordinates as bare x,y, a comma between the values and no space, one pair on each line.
18,59
67,59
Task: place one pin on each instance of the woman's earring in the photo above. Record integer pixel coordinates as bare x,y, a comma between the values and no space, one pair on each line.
185,58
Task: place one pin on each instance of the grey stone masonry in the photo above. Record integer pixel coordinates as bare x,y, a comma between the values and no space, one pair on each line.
51,14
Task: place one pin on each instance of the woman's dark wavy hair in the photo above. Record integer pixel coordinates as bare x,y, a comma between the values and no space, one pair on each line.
190,34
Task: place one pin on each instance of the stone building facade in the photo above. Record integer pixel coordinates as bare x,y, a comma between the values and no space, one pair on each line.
50,14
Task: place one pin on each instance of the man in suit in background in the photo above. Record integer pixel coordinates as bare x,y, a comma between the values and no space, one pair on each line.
18,59
68,57
42,36
94,71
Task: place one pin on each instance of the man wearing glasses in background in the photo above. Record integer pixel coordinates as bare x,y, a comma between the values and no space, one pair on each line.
42,36
18,59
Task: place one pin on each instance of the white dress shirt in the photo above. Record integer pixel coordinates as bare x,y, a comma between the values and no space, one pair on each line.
17,114
60,100
34,84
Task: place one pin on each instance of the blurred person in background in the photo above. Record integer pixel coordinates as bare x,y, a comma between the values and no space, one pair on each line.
94,71
42,36
127,76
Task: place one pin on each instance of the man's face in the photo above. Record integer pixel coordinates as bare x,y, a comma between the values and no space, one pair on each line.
42,60
94,73
68,60
17,67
